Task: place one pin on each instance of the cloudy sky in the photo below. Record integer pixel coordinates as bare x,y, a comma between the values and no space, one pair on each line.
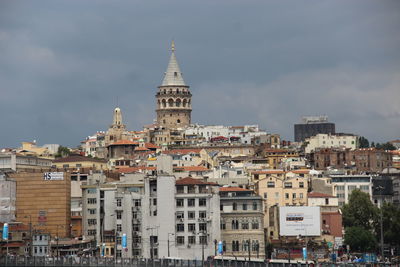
65,65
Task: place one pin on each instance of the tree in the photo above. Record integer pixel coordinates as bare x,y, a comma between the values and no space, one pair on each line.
360,211
363,142
63,152
360,239
391,224
386,146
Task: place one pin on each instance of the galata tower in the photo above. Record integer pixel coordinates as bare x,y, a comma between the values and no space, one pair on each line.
174,105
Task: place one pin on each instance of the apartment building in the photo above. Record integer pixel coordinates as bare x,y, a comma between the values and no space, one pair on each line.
343,185
242,222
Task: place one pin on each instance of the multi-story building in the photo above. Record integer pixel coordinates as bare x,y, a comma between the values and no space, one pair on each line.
330,141
40,244
12,161
44,201
311,126
242,226
280,191
371,159
277,157
78,162
326,202
343,185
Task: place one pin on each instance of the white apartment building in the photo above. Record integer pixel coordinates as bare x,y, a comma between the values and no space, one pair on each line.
343,185
330,141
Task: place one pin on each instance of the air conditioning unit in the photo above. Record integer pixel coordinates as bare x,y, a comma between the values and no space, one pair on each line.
209,219
181,219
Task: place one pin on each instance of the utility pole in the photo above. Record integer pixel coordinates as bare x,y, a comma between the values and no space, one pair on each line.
168,242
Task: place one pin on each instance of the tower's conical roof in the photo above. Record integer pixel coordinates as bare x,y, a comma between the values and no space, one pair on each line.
173,75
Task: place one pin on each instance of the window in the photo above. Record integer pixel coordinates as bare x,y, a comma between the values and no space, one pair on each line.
203,227
287,195
254,225
180,215
119,227
235,245
301,184
119,202
180,240
271,184
91,221
234,206
294,195
326,201
202,202
244,206
92,211
91,190
137,202
191,202
301,195
179,202
155,201
180,189
192,240
288,185
91,232
222,225
221,207
203,240
245,225
276,195
235,225
180,227
191,215
191,227
265,196
202,214
91,201
119,215
255,205
366,187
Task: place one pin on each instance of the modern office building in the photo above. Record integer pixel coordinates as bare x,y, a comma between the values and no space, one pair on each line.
312,126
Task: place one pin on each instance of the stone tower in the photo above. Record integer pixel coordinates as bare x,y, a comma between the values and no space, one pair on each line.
174,105
117,129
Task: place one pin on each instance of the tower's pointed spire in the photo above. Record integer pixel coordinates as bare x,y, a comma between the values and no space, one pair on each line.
173,75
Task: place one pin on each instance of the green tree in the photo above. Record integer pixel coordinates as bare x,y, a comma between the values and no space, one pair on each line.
63,152
359,211
391,224
387,146
363,142
360,239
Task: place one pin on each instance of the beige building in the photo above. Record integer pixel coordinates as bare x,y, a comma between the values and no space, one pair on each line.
78,162
242,227
280,191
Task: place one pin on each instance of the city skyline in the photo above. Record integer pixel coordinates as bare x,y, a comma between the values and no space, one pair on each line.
65,71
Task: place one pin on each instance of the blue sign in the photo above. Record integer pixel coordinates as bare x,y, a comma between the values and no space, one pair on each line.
124,245
103,249
305,254
220,248
5,231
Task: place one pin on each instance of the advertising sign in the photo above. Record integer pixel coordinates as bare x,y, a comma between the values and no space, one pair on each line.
299,220
124,245
220,248
5,231
53,176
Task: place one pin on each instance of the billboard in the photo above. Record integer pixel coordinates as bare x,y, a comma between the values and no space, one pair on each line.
53,176
299,220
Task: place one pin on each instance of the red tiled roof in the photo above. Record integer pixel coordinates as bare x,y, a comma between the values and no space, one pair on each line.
182,151
192,181
192,168
150,145
317,195
13,244
234,189
141,149
124,142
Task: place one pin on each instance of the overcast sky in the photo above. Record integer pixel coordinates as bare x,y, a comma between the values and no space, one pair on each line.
65,65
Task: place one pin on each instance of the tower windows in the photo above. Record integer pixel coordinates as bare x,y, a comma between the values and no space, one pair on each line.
164,103
170,102
178,121
184,103
178,102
